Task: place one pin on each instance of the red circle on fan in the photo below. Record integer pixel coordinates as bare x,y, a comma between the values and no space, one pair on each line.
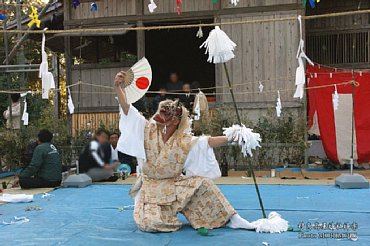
142,83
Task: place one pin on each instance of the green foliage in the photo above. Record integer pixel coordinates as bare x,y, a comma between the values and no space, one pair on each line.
285,129
14,142
10,145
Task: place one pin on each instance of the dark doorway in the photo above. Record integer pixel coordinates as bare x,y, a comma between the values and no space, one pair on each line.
177,50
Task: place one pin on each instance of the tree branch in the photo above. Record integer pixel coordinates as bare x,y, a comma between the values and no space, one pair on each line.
25,36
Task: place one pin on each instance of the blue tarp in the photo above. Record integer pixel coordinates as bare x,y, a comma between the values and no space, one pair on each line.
7,174
90,216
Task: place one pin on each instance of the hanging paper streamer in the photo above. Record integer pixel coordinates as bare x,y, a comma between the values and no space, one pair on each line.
47,84
244,137
34,18
44,58
260,87
46,76
26,93
200,33
335,99
25,113
152,6
214,1
235,2
200,105
300,76
75,3
71,106
278,105
197,109
178,6
93,7
219,46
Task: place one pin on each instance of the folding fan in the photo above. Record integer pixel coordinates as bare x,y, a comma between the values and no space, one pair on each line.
138,80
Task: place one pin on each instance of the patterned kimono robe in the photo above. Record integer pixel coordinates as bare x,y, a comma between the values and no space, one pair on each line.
165,191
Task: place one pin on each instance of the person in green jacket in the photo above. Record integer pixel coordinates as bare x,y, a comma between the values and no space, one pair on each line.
45,169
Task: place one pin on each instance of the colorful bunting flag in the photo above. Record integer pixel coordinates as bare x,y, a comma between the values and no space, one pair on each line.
34,18
75,3
178,3
93,7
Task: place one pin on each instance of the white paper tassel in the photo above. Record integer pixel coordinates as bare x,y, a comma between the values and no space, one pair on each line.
235,2
219,46
152,6
245,137
200,33
25,113
273,224
300,76
260,87
335,99
278,105
71,106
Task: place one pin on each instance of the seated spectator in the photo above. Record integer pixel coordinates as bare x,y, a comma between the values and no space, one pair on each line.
119,157
195,86
162,96
95,158
187,99
174,84
16,113
45,169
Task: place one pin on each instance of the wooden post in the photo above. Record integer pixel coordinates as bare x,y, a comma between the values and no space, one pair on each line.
305,104
6,49
56,93
20,56
25,36
140,41
68,57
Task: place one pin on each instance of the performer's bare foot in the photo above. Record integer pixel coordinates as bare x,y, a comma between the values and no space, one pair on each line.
237,222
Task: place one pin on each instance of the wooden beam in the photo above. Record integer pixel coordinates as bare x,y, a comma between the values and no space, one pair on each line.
139,7
264,105
97,110
99,66
198,15
25,35
336,29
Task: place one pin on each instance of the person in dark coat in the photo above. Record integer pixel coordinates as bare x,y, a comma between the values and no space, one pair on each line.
96,158
187,99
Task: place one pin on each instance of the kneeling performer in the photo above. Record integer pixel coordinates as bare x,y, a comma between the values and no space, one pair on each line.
166,150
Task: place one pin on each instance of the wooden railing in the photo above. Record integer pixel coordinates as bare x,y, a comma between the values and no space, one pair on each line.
339,48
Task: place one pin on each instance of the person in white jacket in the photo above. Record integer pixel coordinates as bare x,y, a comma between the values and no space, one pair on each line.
166,149
16,113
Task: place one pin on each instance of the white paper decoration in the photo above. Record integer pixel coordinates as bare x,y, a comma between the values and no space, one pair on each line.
219,46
